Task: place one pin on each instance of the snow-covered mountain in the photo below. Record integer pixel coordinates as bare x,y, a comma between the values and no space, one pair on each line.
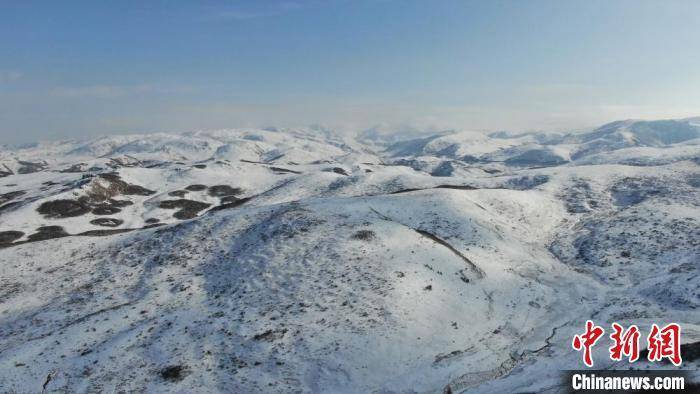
285,260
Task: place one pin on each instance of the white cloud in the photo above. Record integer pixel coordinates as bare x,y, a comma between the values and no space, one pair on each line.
10,76
270,9
100,91
267,8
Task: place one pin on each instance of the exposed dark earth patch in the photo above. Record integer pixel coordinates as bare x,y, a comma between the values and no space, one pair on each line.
471,159
280,170
152,220
118,186
526,182
107,222
277,170
337,170
270,335
120,203
103,233
230,202
364,235
98,199
6,172
229,199
454,187
200,166
408,190
178,193
196,188
450,151
224,190
187,209
444,169
7,237
536,157
632,191
446,356
127,161
11,196
105,210
274,157
48,232
16,204
51,232
690,351
579,198
28,167
173,373
58,209
416,164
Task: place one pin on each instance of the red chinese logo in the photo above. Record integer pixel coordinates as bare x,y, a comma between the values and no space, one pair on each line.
665,343
586,341
626,343
662,343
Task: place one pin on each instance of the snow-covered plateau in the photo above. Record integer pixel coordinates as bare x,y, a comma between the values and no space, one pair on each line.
301,260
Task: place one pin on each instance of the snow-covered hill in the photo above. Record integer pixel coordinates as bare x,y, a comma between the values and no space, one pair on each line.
300,260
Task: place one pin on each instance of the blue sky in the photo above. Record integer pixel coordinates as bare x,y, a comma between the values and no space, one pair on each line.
83,68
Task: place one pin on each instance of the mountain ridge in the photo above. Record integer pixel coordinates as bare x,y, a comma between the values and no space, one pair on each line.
298,260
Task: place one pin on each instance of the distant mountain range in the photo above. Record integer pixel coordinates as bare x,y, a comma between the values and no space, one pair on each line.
280,260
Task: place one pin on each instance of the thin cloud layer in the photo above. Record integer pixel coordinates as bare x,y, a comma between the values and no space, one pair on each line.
100,91
10,76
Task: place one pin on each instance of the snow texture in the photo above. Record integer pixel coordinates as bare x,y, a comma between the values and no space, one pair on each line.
288,260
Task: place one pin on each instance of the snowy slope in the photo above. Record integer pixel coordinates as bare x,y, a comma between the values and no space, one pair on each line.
299,260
